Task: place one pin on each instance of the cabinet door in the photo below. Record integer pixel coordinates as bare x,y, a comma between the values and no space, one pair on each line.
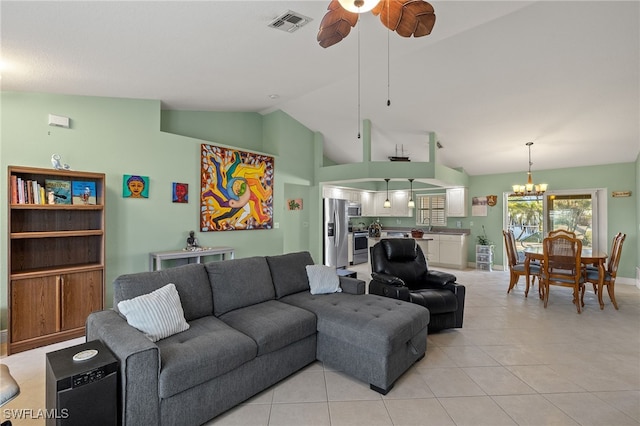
450,252
367,199
433,249
378,204
457,202
34,307
81,294
399,204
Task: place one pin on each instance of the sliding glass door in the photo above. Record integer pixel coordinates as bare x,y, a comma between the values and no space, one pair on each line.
575,212
531,217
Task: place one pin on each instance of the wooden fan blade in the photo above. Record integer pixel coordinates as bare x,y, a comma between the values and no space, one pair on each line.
407,17
336,24
390,12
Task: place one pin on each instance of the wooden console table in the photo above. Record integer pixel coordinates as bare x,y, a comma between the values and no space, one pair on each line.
156,258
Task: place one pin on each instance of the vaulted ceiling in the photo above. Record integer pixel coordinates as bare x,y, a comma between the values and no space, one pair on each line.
491,76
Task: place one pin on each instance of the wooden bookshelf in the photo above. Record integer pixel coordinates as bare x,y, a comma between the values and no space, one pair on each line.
55,258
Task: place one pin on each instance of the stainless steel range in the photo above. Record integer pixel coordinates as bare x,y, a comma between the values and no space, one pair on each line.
360,247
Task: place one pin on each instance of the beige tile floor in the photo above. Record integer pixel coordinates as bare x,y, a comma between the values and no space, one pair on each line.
513,363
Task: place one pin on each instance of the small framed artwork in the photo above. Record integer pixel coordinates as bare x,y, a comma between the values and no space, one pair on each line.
83,192
135,186
180,192
294,204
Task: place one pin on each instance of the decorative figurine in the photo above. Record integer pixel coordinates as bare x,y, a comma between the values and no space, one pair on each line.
55,162
192,241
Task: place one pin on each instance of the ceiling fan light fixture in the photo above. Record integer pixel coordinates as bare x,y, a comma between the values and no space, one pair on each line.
358,6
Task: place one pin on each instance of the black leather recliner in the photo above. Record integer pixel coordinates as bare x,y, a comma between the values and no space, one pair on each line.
399,270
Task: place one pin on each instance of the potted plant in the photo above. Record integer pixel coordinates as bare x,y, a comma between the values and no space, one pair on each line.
484,251
483,240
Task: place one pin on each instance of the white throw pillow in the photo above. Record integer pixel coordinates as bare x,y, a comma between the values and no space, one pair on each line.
157,314
323,279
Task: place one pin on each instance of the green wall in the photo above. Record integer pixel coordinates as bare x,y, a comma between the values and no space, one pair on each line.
622,213
129,136
124,136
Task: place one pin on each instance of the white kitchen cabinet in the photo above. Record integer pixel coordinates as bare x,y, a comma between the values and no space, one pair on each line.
367,202
399,201
431,249
378,204
399,204
445,250
457,204
453,251
351,195
350,248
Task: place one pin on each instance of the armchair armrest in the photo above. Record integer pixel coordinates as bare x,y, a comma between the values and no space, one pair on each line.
388,286
387,279
352,285
460,291
438,279
139,366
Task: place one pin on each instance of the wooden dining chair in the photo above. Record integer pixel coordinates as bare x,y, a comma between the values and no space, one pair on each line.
517,266
562,266
592,274
561,232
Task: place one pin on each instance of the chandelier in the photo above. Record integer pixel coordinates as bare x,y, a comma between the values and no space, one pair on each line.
530,188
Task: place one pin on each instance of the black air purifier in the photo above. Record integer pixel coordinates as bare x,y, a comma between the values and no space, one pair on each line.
82,386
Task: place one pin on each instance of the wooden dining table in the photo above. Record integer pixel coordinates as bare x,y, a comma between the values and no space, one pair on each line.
588,257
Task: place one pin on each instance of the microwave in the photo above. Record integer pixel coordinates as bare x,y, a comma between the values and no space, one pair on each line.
354,210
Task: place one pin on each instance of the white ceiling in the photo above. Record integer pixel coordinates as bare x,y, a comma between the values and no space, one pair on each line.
491,76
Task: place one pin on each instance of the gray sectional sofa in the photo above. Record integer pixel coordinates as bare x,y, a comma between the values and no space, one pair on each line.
252,322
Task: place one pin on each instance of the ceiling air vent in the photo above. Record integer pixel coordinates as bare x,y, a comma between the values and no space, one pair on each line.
290,21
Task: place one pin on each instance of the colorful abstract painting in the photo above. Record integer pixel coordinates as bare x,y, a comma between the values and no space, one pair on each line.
236,189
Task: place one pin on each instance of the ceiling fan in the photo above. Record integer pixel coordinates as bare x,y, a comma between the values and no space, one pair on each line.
406,17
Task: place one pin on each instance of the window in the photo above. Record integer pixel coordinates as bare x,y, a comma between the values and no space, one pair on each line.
579,211
430,210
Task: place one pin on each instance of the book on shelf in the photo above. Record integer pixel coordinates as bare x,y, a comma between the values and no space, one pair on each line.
14,189
83,192
26,191
61,190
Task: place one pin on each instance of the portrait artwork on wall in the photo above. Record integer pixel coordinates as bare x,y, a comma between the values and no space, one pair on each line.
135,186
236,189
180,192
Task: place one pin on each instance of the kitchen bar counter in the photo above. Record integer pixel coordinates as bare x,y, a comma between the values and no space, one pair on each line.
437,231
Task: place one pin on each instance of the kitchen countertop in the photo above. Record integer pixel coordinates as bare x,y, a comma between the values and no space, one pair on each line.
437,231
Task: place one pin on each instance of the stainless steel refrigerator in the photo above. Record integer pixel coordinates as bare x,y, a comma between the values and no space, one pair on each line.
335,231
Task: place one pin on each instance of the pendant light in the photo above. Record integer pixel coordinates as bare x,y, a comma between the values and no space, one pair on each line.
411,204
387,203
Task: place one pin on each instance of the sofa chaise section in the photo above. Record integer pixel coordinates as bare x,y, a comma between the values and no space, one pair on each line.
372,338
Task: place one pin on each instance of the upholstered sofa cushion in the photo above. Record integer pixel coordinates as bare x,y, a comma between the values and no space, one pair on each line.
374,323
239,282
288,272
210,348
272,324
191,281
